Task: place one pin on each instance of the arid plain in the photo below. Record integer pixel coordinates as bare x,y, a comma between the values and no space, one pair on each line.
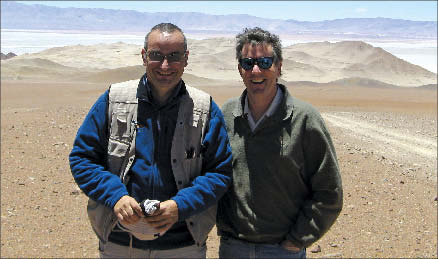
385,137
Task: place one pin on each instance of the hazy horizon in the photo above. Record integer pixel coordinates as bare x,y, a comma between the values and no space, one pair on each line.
297,10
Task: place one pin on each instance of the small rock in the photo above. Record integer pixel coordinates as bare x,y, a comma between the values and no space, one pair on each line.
402,182
436,198
333,245
75,192
316,249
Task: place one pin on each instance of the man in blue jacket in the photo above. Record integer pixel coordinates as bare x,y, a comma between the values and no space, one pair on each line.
153,157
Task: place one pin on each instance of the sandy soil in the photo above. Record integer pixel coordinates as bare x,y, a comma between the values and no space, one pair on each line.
385,140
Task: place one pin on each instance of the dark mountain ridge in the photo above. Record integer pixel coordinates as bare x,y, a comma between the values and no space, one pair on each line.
40,17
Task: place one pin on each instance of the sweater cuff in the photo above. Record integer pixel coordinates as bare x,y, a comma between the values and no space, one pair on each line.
116,197
183,210
297,242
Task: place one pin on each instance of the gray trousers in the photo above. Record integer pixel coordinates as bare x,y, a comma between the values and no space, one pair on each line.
112,250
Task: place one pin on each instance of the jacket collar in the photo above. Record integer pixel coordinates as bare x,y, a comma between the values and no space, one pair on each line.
144,90
284,110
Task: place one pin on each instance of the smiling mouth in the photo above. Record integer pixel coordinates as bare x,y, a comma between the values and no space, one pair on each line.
257,82
164,73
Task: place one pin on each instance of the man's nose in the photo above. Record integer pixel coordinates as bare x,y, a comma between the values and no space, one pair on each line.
165,64
256,69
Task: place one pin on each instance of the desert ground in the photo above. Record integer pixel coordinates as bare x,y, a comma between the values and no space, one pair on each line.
385,140
385,137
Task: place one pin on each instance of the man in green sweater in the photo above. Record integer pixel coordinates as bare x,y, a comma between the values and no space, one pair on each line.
287,189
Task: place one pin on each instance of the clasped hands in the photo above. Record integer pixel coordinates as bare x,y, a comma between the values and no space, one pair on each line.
128,211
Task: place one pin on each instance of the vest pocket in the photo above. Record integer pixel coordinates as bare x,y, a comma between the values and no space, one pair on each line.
116,154
119,123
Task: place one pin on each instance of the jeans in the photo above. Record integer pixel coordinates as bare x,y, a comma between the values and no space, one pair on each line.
113,250
234,248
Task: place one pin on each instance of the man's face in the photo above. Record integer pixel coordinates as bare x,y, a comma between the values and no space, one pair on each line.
165,74
259,82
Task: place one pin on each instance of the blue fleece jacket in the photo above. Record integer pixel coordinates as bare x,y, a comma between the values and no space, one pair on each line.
151,172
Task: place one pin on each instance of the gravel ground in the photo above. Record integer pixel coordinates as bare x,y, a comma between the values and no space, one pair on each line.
387,160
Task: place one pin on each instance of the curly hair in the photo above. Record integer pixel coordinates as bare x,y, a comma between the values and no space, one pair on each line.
256,36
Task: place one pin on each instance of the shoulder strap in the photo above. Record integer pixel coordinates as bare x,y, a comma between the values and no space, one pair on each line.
124,92
201,107
122,125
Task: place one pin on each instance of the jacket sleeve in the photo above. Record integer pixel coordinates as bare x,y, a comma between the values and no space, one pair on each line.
88,156
216,175
320,211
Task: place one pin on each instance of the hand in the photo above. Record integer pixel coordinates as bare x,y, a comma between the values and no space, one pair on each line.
288,245
127,210
164,218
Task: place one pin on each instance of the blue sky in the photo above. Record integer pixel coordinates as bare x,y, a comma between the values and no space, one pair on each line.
297,10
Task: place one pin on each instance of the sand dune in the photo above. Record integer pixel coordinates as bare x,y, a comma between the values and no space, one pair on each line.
101,56
37,68
109,76
359,59
352,51
214,58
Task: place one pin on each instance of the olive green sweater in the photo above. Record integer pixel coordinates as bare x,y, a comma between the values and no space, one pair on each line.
286,179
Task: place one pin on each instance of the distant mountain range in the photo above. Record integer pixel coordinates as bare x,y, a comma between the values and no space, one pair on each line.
40,17
7,56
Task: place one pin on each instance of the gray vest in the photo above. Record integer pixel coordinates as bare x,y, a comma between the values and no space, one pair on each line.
189,131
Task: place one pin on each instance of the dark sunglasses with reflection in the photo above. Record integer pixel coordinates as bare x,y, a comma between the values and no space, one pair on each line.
263,62
155,56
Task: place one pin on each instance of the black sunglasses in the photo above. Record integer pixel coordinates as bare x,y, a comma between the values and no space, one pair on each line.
158,57
263,62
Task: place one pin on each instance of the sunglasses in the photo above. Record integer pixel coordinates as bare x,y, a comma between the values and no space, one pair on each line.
263,62
159,57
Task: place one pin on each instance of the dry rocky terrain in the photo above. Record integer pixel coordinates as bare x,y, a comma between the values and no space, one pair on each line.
385,138
386,151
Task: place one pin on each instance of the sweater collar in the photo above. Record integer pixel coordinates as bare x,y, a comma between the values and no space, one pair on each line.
283,112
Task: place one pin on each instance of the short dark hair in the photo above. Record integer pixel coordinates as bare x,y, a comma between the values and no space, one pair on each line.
257,36
165,27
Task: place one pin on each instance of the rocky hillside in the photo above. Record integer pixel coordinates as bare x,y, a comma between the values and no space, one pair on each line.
7,56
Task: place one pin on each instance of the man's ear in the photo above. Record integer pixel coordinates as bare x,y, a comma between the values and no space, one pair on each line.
239,67
279,68
143,56
186,58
